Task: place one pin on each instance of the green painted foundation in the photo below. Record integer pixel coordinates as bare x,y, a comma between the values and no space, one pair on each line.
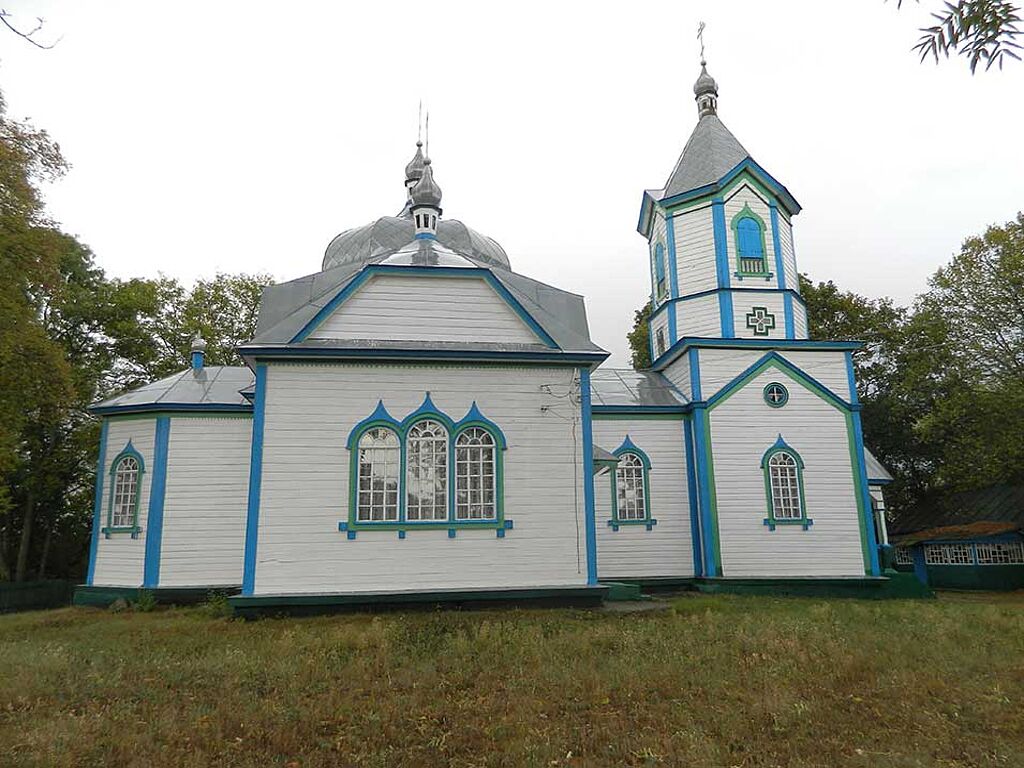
103,596
986,577
254,606
621,591
893,586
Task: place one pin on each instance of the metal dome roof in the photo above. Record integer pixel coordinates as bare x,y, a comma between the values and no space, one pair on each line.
387,235
426,191
705,83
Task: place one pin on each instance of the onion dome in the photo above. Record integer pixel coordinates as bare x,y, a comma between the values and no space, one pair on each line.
706,92
414,170
426,192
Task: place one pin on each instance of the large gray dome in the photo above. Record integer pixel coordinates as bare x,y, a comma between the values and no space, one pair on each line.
388,234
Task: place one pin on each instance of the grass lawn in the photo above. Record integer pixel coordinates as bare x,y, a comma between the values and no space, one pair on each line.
713,681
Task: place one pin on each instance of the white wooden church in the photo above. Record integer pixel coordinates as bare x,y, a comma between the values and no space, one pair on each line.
417,421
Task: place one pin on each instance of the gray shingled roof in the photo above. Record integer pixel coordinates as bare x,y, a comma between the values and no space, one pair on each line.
986,511
286,308
208,387
626,387
710,154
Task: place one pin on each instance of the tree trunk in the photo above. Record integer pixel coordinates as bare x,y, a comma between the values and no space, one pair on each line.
26,536
46,554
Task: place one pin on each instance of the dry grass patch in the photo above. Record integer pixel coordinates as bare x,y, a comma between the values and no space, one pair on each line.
716,681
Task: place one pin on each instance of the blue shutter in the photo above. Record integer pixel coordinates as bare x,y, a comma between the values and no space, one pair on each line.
659,262
749,232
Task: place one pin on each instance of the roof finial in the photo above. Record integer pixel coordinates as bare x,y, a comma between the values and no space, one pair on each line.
700,36
419,124
428,133
705,89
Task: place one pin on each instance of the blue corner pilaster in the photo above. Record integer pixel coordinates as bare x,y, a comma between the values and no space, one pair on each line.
590,516
725,310
920,566
780,272
869,518
695,394
97,502
155,514
252,520
691,493
673,279
702,449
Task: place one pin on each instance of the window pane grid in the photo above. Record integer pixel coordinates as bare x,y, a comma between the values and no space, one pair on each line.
126,489
630,491
1001,553
427,472
475,497
949,554
378,476
903,556
785,486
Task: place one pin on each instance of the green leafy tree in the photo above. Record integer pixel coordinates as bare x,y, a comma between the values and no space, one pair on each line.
638,338
981,30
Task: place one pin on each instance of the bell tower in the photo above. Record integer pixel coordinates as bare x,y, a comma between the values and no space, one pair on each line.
720,242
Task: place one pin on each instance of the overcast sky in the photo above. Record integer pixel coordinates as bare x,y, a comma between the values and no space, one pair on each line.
242,136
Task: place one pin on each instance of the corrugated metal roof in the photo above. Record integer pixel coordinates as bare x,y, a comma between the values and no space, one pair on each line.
215,385
626,387
876,471
995,504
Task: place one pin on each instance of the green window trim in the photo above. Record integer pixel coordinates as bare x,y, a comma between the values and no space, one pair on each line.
128,452
772,521
778,388
380,418
744,270
630,448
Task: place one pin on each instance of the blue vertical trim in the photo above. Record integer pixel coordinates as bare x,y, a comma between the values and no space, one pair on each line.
673,279
725,315
252,521
155,516
722,268
97,503
851,377
704,485
695,393
780,272
197,360
787,312
920,567
588,477
691,492
858,437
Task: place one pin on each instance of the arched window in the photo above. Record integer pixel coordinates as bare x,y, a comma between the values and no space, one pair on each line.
630,487
379,460
426,478
784,485
475,476
125,498
749,246
782,470
660,285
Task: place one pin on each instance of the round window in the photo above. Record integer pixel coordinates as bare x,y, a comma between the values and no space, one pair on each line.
776,395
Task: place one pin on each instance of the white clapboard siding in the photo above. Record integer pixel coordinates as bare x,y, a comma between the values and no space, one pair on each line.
658,236
741,196
205,502
633,552
742,429
699,317
718,367
788,252
660,323
679,374
120,559
310,411
694,233
426,308
799,320
743,303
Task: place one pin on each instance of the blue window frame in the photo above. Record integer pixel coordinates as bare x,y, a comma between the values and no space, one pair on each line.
126,472
751,249
631,488
783,470
660,283
426,472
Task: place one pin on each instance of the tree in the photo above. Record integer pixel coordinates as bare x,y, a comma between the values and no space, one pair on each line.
982,30
638,338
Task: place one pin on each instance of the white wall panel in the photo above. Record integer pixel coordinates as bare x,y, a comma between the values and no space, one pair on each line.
120,559
695,251
310,412
632,551
414,308
205,502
